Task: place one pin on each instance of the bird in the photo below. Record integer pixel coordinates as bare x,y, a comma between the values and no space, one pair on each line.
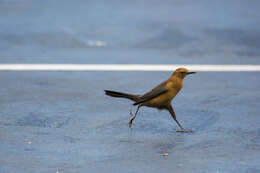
159,97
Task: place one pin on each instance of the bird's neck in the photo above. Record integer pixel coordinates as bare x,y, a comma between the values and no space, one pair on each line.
177,81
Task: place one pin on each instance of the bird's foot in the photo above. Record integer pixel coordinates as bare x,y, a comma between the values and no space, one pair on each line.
184,131
130,124
131,119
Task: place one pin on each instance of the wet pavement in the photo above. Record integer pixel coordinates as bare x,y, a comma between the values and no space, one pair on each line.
62,121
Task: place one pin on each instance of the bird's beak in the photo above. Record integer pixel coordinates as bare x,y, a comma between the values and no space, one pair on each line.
191,72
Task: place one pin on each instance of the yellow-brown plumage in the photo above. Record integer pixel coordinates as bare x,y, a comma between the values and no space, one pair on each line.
159,97
173,87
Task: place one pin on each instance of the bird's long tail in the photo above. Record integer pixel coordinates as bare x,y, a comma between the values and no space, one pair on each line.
122,95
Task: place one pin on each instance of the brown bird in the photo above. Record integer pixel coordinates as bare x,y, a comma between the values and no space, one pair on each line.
159,97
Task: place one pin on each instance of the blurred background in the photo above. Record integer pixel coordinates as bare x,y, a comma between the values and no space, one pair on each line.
145,31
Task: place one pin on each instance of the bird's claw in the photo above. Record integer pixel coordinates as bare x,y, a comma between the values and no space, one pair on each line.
130,124
184,131
131,119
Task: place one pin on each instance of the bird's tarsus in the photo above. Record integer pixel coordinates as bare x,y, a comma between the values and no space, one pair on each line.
133,116
130,123
131,119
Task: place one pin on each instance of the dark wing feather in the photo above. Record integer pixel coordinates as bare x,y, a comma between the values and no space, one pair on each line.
158,90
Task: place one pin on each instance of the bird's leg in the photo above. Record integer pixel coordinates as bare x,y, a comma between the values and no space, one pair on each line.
170,109
133,116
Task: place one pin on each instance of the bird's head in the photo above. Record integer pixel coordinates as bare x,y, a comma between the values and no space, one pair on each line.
182,73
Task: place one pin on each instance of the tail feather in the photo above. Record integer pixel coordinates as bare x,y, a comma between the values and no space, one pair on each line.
122,95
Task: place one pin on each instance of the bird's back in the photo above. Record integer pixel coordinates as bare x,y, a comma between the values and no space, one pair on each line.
172,87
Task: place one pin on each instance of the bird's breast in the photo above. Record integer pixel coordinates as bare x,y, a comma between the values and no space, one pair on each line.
173,88
166,98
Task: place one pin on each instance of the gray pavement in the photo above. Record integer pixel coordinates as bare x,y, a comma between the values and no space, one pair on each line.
62,121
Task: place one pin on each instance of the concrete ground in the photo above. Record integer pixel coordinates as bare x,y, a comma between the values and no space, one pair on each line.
62,121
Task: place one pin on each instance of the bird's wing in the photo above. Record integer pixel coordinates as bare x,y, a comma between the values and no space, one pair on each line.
158,90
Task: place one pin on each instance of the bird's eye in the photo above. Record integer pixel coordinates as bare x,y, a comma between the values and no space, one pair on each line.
182,72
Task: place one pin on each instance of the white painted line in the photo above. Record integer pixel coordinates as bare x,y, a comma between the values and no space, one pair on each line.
124,67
